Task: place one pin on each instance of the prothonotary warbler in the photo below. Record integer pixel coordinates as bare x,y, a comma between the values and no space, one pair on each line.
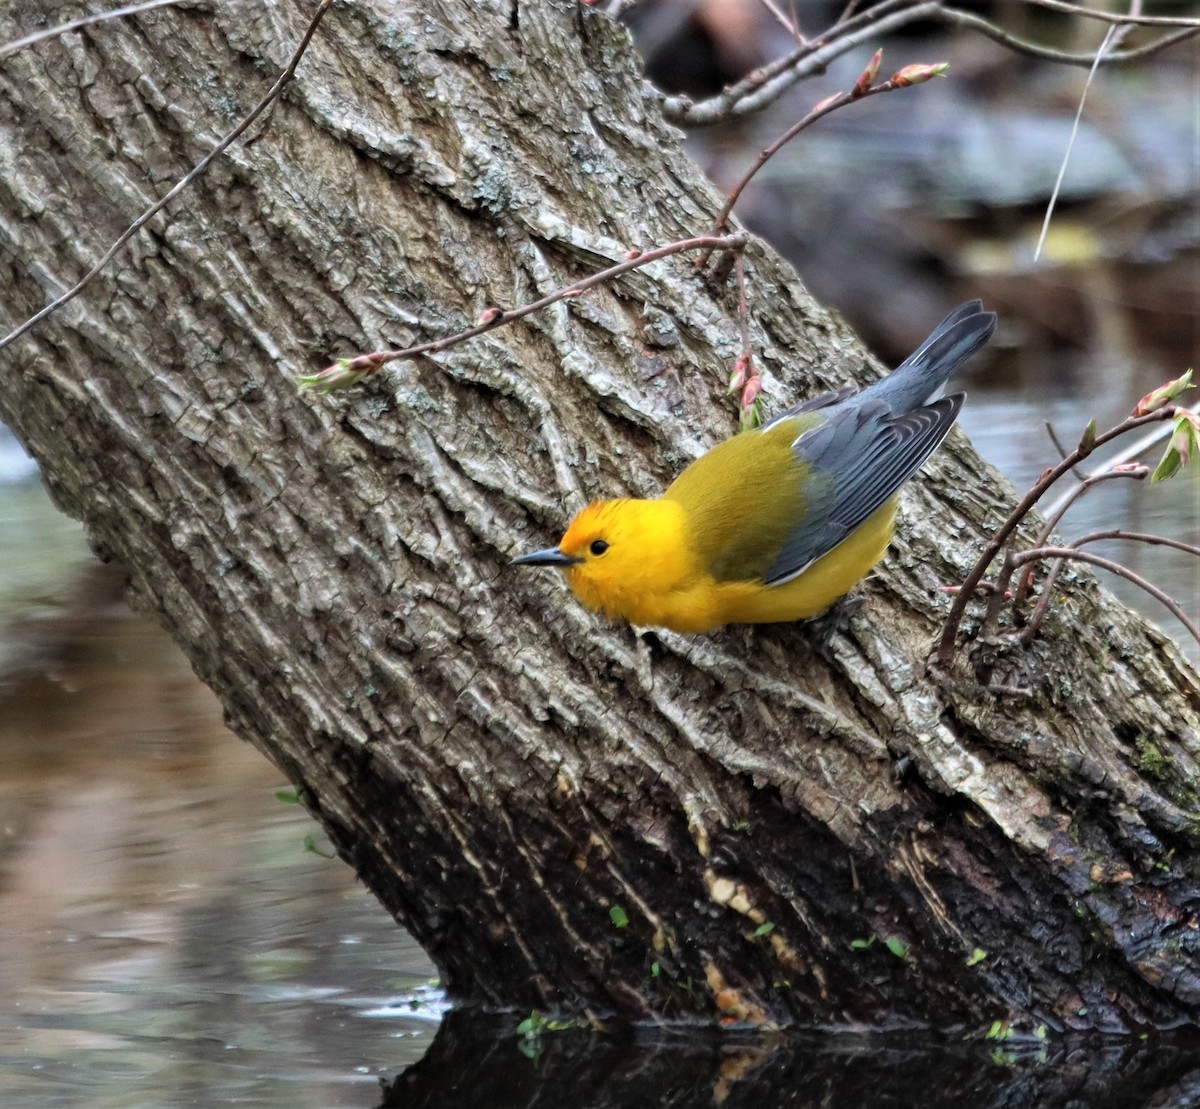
779,522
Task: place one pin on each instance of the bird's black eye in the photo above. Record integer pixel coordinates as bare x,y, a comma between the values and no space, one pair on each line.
598,547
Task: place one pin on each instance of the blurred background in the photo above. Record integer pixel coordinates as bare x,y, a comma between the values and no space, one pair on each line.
170,938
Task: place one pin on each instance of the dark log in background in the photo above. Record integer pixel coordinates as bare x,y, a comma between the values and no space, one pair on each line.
500,767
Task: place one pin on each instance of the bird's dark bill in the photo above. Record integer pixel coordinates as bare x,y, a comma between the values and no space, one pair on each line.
551,556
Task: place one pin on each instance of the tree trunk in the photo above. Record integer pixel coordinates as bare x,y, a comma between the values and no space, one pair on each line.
566,814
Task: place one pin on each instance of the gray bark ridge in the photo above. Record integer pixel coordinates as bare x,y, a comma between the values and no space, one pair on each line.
512,777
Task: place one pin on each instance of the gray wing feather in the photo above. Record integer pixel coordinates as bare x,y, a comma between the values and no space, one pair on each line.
858,459
821,400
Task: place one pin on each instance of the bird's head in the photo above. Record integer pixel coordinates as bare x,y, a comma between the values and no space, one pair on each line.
621,556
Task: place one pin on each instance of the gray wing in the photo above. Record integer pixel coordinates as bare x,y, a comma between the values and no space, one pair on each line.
821,400
858,459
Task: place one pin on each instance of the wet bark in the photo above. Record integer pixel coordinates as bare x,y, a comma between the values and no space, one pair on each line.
566,814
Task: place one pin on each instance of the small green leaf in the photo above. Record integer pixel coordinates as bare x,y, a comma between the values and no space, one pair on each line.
976,957
897,946
764,929
655,969
862,945
287,796
1185,442
310,844
618,916
1088,440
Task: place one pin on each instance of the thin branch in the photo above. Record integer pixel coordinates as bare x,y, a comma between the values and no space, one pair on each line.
1137,537
945,648
1053,517
1123,457
956,18
1057,444
1073,555
347,372
791,26
84,21
1062,169
745,374
1137,20
819,112
769,82
183,183
1114,35
848,11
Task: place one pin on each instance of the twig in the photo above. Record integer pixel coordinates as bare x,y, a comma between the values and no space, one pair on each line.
1111,35
1137,537
1122,458
745,380
347,372
769,82
180,186
84,21
909,75
792,26
1071,554
1136,20
946,644
956,18
1053,517
848,11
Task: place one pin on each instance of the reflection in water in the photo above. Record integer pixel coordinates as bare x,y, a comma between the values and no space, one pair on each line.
167,939
470,1065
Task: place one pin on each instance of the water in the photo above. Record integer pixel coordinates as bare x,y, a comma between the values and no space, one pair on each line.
167,938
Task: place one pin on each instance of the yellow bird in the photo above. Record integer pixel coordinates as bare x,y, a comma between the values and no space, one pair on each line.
779,522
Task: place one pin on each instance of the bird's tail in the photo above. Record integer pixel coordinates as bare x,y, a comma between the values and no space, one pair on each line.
920,377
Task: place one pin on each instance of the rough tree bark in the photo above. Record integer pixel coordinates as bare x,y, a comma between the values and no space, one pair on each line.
500,767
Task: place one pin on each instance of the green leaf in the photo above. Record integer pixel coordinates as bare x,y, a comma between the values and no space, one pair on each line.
310,844
655,970
618,916
1088,440
897,946
1185,442
764,929
287,796
977,956
862,945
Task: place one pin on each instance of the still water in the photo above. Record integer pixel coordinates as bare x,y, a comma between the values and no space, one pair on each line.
167,938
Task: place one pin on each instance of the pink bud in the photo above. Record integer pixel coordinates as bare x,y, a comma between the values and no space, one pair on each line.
341,375
630,255
867,78
750,391
829,100
740,368
490,315
918,74
1163,395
